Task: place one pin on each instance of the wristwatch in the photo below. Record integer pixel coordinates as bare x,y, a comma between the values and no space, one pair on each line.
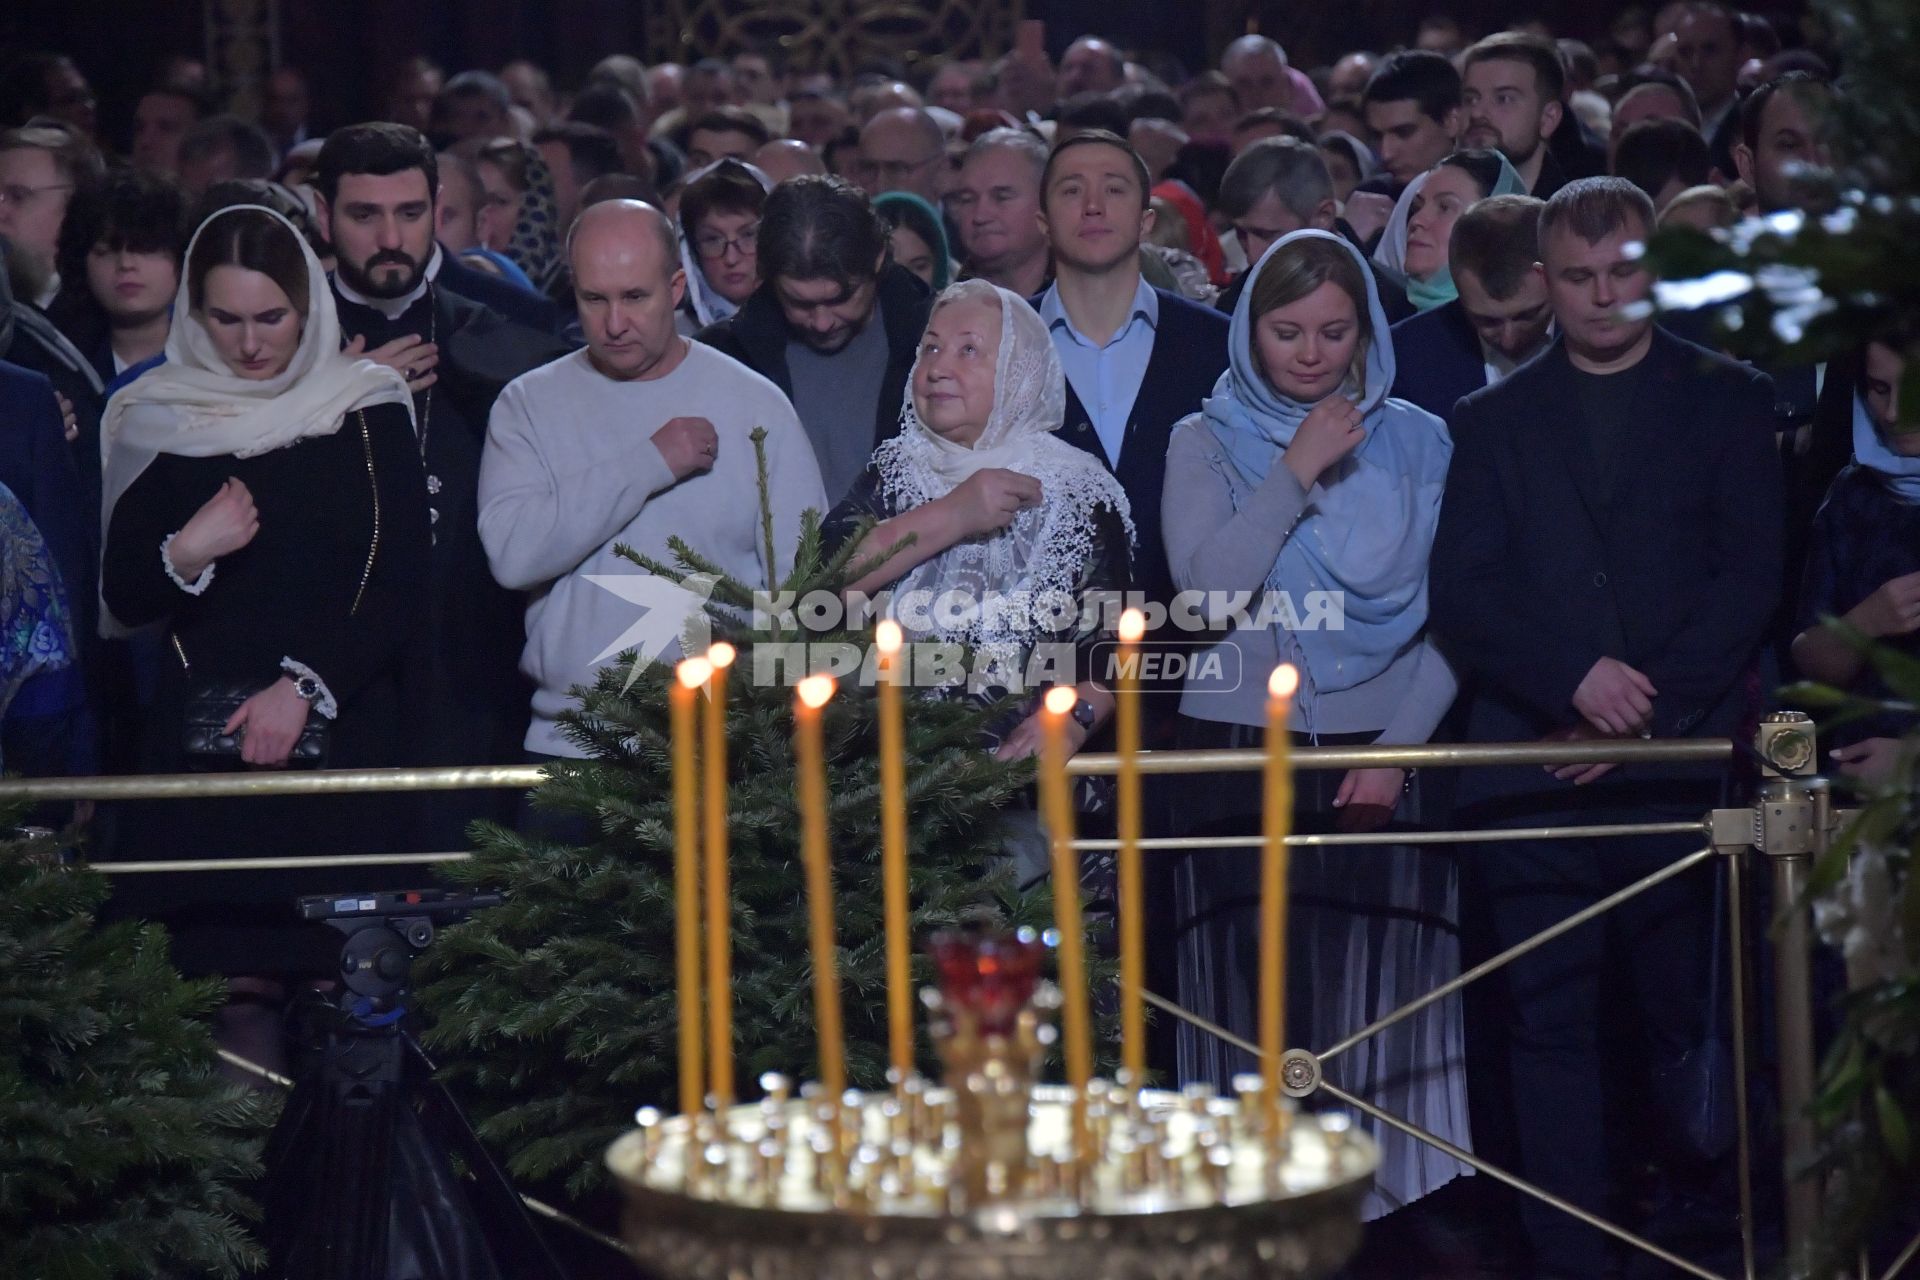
307,687
1083,714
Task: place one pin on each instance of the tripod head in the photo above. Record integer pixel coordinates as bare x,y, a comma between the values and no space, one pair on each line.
385,931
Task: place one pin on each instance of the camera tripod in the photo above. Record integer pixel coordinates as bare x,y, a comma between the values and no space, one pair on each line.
361,1181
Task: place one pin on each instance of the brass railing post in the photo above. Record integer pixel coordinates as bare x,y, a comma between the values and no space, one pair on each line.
1792,817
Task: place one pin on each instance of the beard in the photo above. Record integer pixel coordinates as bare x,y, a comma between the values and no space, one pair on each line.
373,280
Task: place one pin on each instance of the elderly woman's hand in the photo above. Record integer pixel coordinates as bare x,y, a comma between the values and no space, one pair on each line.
989,499
1027,738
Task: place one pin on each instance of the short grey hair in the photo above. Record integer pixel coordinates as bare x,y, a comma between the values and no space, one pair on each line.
1006,138
1253,45
1284,167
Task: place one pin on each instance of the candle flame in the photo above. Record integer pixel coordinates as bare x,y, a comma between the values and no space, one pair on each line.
1284,681
721,655
694,672
1133,625
814,691
1060,699
887,637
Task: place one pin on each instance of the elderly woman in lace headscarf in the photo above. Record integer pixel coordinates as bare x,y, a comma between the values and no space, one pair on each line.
1012,530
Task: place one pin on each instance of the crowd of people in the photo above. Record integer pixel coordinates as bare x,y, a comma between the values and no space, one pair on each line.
316,446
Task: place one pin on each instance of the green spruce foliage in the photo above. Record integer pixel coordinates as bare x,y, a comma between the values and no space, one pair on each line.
123,1150
555,1013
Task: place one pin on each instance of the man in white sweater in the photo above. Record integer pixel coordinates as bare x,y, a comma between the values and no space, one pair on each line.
641,436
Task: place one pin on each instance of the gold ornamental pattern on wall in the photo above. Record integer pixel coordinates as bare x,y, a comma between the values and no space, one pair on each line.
836,36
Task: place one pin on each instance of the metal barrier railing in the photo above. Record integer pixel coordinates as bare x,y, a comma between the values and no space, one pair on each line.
1789,823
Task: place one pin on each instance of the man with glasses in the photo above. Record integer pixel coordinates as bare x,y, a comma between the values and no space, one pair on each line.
1279,186
834,324
47,84
40,167
902,149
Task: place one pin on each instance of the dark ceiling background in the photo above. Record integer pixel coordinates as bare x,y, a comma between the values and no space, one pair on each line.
345,45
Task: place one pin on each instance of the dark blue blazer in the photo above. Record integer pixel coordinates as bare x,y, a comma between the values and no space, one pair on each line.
1437,359
1189,355
511,301
1537,574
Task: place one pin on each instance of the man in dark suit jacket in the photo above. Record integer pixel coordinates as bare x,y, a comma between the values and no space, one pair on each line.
835,323
1606,564
468,701
1501,319
1137,359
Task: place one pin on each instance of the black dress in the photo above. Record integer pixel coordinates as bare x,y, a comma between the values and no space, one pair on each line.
319,585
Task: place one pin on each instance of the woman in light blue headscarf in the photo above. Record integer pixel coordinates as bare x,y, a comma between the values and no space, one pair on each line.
1416,237
1863,566
1305,485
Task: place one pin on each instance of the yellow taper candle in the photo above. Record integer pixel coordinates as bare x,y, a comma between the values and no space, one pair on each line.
1057,809
718,887
1133,1016
893,851
692,673
811,781
1273,886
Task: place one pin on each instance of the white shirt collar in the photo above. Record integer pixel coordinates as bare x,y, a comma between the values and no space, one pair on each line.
392,308
48,294
1498,365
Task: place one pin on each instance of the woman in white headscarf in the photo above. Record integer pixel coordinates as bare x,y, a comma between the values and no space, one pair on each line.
1013,529
265,510
719,222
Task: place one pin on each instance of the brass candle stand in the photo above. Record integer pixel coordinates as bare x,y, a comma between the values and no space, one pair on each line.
993,1176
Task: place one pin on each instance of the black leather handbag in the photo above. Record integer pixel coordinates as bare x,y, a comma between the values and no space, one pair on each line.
211,704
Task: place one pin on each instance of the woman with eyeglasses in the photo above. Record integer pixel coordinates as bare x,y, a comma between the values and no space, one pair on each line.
719,219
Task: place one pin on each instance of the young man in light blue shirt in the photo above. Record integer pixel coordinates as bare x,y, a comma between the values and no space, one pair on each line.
1137,359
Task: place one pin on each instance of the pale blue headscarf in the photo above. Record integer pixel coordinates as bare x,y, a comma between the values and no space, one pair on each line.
1369,521
1898,472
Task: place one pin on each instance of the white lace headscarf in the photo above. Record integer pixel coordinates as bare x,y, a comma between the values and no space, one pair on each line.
1002,592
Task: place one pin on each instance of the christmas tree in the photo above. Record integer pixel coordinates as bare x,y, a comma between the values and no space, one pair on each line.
554,1014
125,1151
